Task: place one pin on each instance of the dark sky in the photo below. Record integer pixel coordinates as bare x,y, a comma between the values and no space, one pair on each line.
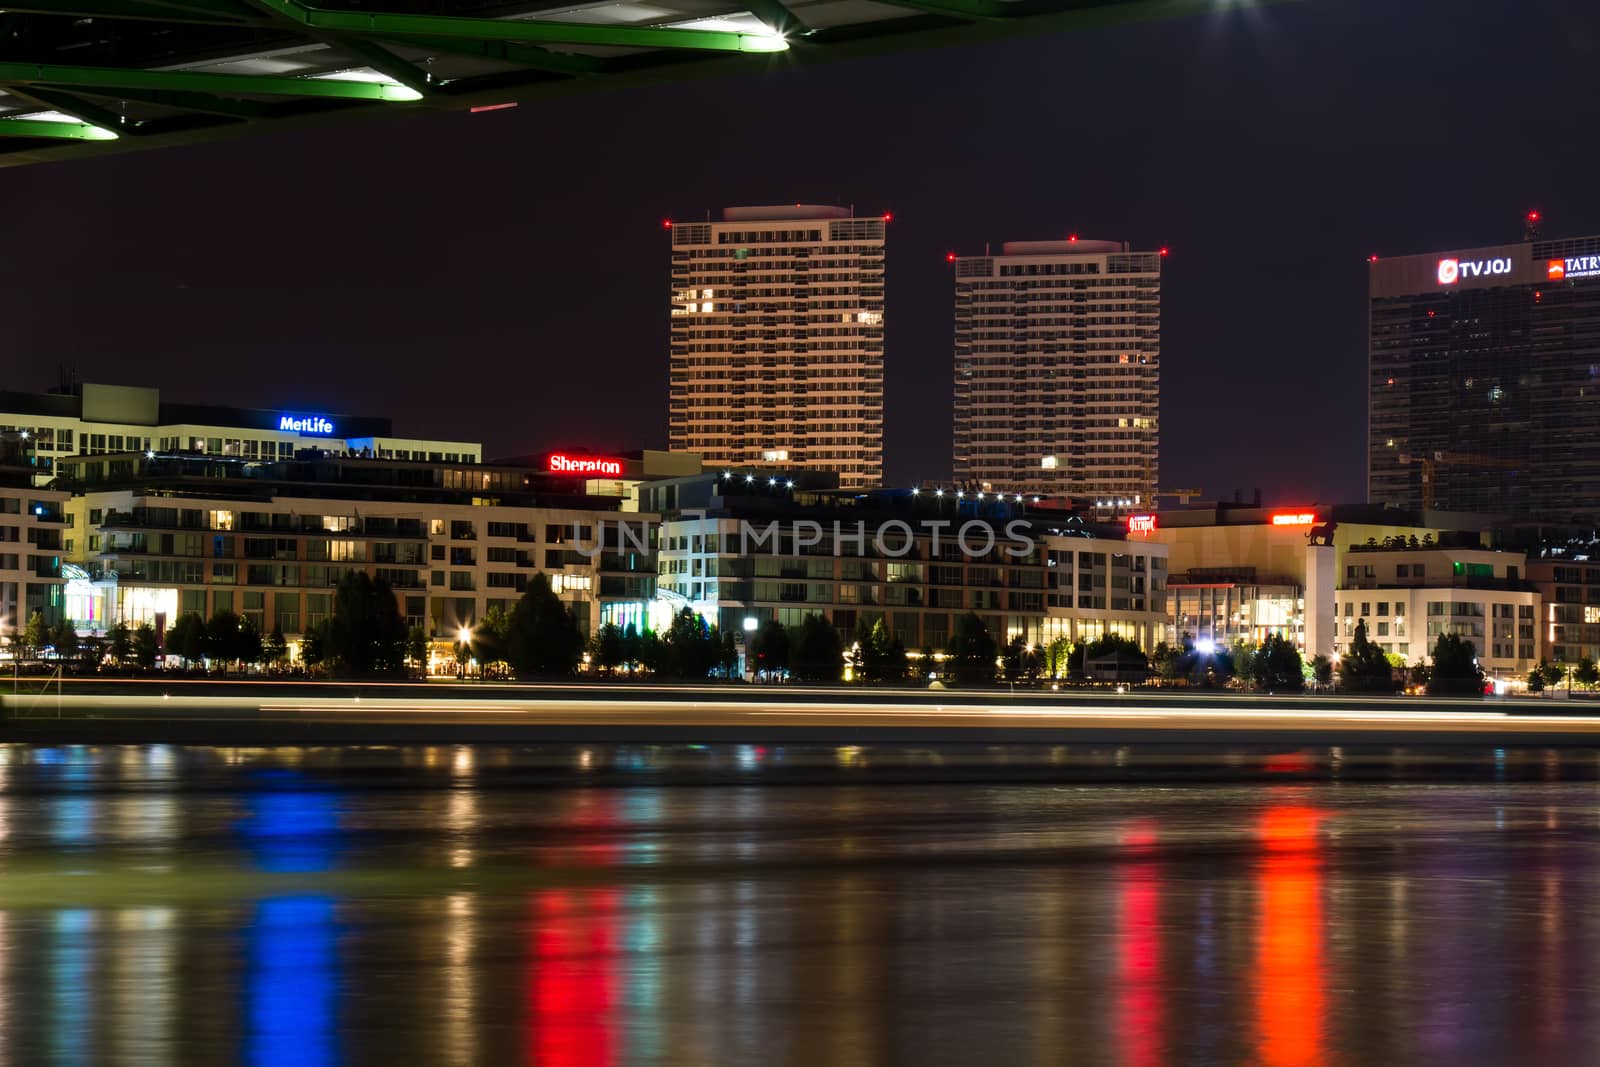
503,276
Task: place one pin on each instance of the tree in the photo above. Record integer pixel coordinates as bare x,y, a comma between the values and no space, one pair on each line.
249,646
274,648
144,646
1166,661
769,648
314,645
491,638
728,654
1015,658
1586,673
36,635
120,644
1536,679
692,647
1455,668
1418,673
186,638
818,654
64,636
1364,668
543,638
1058,657
224,640
1321,669
652,653
366,635
1554,673
972,650
632,645
605,651
1276,665
879,655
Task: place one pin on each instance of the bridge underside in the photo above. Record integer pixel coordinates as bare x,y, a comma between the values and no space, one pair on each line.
82,77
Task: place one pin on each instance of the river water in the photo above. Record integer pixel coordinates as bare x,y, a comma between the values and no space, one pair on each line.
838,906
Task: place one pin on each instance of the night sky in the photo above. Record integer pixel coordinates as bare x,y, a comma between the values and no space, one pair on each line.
504,276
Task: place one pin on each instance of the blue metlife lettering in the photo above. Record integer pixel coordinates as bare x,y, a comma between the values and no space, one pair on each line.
305,424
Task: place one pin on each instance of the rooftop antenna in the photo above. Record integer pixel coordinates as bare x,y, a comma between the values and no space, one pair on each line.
1530,226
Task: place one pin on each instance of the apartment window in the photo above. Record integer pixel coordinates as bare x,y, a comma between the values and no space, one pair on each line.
1383,607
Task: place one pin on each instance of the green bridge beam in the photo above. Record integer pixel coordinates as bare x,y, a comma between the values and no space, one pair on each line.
83,110
113,78
71,131
390,25
217,15
520,54
207,105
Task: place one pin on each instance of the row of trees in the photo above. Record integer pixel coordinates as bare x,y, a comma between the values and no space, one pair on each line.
225,640
1584,673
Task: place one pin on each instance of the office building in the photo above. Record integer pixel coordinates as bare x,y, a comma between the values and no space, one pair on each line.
777,341
1058,371
90,419
1483,365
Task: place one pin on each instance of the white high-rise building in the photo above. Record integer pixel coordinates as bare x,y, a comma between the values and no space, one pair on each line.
777,340
1057,370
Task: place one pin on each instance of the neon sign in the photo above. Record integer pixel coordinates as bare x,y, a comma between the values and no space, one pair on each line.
1573,267
1453,270
562,464
1294,518
305,424
1142,524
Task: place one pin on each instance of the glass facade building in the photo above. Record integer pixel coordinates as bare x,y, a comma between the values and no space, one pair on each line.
1484,368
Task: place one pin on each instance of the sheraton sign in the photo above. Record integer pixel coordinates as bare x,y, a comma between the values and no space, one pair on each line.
564,464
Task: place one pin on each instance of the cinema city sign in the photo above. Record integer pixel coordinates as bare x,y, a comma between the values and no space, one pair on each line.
1453,270
305,424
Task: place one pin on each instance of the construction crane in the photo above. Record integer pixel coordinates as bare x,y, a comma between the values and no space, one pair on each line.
1183,495
1455,459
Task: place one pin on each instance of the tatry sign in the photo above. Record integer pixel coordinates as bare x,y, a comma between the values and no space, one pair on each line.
1573,267
560,464
305,424
1454,270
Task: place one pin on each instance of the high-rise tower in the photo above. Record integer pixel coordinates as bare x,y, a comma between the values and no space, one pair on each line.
1057,370
777,340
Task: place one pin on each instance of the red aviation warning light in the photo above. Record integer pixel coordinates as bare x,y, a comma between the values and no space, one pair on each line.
949,257
888,216
666,224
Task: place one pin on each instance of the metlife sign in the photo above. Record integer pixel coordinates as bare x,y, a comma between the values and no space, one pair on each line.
305,424
1452,270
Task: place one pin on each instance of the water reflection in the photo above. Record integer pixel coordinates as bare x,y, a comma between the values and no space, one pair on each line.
464,906
1290,972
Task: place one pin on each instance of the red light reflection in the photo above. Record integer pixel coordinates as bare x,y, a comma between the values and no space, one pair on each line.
1140,1007
572,979
1289,972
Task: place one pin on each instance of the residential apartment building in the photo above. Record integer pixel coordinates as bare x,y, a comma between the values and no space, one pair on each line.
777,340
1410,596
742,549
1568,581
163,534
92,420
33,531
1058,371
